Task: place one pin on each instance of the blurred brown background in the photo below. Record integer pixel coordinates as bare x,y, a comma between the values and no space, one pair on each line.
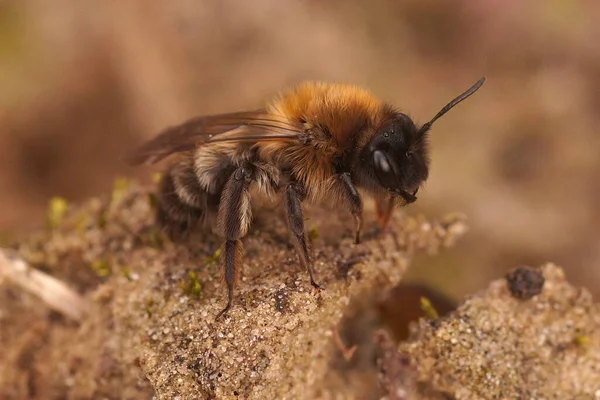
82,82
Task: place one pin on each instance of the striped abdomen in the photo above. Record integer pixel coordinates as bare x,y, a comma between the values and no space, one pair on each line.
183,202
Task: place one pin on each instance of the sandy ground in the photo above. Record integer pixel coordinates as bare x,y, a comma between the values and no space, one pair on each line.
149,327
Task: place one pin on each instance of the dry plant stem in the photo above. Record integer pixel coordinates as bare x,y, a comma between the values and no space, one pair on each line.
51,291
347,353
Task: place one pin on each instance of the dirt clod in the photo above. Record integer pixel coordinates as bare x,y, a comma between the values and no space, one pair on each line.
525,282
151,329
496,347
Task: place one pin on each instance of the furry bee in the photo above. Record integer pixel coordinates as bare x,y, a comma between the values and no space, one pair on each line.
315,141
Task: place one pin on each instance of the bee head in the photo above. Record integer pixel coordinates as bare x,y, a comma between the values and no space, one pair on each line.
398,153
399,157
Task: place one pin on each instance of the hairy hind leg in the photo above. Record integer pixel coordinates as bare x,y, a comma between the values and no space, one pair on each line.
233,220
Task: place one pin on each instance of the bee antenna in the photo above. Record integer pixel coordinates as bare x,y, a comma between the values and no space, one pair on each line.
449,106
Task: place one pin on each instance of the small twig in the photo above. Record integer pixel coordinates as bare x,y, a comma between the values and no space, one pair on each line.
51,291
346,352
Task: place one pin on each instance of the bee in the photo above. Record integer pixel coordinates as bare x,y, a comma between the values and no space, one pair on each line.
314,142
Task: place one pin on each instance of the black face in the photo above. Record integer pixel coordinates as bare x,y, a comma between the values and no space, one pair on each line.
399,157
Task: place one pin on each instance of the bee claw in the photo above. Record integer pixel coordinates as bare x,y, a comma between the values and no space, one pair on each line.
316,285
223,311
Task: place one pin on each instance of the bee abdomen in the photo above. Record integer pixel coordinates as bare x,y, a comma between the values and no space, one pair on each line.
181,201
186,186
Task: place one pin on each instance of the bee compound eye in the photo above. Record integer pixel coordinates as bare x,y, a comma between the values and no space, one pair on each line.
381,161
383,169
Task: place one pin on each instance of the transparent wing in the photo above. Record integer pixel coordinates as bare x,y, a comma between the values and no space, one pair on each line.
254,126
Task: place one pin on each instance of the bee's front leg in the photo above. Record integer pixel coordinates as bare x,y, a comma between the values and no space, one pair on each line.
351,195
384,206
293,197
233,220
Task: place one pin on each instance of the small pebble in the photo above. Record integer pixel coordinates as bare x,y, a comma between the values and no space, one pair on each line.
525,282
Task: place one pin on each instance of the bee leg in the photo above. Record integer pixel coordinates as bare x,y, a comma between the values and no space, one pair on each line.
233,220
293,211
232,252
351,194
384,207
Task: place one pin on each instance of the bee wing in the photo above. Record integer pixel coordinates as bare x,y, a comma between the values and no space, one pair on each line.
257,125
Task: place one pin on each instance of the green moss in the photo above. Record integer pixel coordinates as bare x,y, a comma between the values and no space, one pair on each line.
428,309
148,308
56,211
153,238
581,340
120,187
127,273
101,268
102,220
192,286
81,223
214,258
313,234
